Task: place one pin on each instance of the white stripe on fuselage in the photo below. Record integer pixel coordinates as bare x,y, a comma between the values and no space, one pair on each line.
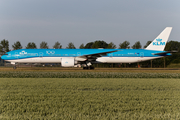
38,60
124,59
101,59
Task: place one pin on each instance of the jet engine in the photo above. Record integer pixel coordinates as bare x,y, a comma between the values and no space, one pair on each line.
68,62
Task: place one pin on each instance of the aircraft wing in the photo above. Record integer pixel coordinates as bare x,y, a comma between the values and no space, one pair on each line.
94,56
99,54
162,53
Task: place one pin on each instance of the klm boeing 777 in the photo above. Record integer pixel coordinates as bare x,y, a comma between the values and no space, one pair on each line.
86,57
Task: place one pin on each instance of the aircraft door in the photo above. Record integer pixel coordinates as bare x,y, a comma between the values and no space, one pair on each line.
140,58
141,54
40,59
40,54
111,55
78,54
16,55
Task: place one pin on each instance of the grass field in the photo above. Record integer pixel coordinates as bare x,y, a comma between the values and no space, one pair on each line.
60,69
89,98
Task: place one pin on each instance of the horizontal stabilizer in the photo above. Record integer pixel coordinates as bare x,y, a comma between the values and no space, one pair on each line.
162,53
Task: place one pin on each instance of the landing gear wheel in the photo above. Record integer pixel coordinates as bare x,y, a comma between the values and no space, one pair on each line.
88,68
91,67
85,68
14,67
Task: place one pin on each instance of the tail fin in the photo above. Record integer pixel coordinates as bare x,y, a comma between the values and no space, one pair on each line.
160,42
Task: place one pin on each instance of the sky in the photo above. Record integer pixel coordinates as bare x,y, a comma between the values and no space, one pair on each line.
83,21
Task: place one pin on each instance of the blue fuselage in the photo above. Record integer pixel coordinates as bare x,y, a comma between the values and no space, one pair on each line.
32,53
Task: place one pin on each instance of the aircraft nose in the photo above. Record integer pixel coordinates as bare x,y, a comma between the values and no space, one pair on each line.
3,57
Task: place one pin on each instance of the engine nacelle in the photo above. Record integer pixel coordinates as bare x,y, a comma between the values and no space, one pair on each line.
67,62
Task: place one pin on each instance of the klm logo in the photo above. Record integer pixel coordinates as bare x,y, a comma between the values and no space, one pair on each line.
158,42
23,52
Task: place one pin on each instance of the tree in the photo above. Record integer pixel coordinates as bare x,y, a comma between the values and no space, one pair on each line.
124,45
17,45
81,46
148,43
31,45
1,50
172,46
44,45
99,44
111,45
71,46
4,46
89,45
57,45
137,45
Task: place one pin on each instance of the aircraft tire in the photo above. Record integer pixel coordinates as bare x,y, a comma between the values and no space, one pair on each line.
91,67
85,68
14,67
88,68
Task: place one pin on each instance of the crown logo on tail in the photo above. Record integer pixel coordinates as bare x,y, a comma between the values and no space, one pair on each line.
158,40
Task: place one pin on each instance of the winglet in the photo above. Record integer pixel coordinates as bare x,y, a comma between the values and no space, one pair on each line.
160,42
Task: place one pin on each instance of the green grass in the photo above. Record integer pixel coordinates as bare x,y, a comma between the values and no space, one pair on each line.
173,66
25,74
120,70
89,98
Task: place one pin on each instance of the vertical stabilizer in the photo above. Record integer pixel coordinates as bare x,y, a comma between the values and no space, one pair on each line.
160,42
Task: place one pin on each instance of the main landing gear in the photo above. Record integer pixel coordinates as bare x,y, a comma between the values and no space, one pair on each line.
88,68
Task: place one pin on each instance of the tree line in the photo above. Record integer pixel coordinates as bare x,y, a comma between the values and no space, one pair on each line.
4,45
170,46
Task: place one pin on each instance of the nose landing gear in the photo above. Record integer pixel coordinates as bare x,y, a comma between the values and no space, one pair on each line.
14,67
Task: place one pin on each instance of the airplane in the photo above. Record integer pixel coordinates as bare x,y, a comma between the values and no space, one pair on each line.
87,57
